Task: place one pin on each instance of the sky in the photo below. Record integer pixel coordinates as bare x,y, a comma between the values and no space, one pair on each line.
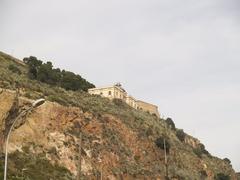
183,56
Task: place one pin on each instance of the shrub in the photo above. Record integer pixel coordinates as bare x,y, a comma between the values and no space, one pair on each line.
227,160
203,174
221,176
180,135
149,131
137,158
200,150
14,69
118,102
160,143
57,99
170,123
37,167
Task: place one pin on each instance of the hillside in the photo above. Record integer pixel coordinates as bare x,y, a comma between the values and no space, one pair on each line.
118,142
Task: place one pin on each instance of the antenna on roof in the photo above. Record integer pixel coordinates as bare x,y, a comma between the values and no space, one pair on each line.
118,84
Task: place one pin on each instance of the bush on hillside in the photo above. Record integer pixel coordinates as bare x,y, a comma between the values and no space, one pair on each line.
221,176
160,143
170,123
37,167
200,150
14,69
203,174
57,99
203,149
180,135
118,102
45,72
227,160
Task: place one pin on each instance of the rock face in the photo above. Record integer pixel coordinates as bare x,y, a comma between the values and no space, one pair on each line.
109,146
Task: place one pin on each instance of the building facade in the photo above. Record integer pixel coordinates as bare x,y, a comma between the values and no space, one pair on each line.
131,101
110,92
151,108
117,92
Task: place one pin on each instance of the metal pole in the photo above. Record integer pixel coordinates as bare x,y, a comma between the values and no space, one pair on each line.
6,157
166,160
7,140
165,151
80,156
101,172
34,105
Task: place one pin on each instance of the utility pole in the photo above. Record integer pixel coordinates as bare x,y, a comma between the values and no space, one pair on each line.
165,152
79,126
101,172
79,174
166,160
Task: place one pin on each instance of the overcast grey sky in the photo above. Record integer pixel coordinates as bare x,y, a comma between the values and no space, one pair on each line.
183,56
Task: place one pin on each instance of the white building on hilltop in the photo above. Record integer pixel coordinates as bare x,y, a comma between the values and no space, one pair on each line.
117,92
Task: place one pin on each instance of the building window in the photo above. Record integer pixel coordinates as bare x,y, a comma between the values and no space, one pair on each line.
109,93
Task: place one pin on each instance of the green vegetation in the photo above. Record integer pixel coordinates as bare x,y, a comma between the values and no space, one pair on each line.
29,166
14,69
45,72
119,102
160,143
181,135
170,123
227,160
200,150
222,176
203,174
